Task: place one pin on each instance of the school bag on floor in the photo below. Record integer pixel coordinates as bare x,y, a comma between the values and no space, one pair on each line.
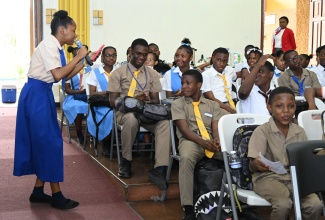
242,176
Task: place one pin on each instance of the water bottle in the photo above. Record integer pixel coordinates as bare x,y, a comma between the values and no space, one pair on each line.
234,160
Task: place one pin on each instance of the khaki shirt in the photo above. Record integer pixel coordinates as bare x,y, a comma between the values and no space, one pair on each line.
121,78
310,77
182,108
270,141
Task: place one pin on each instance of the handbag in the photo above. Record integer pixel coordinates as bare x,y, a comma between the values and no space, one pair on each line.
156,112
80,97
99,100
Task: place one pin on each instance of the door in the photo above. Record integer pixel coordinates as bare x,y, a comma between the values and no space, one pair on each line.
317,25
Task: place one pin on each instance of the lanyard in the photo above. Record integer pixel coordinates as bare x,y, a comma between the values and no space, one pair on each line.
145,72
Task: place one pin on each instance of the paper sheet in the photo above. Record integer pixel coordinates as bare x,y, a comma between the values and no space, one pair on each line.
276,167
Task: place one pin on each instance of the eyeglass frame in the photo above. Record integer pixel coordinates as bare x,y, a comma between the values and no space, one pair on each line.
294,59
110,55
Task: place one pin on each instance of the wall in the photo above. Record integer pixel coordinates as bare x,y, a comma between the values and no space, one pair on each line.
208,23
302,35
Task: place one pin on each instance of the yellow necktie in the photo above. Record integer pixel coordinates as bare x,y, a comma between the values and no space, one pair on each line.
225,85
133,84
200,124
107,74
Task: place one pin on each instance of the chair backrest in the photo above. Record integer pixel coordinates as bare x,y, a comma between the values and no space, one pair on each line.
319,104
229,123
162,93
238,107
309,166
310,120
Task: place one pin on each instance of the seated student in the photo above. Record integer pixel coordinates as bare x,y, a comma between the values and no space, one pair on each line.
254,91
152,61
192,141
320,68
305,60
279,63
296,77
98,83
241,65
253,55
270,140
217,81
183,56
143,83
74,109
161,66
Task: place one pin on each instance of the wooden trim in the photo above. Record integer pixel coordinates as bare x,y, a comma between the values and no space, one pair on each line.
262,24
38,22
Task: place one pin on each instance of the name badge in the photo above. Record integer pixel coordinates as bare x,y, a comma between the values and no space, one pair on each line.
208,115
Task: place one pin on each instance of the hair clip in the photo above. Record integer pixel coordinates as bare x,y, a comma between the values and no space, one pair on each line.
253,49
186,44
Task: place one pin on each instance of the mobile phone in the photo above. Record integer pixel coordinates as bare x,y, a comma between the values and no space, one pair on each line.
96,55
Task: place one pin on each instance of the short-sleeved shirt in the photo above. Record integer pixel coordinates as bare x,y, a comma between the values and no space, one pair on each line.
46,57
320,72
271,142
310,77
121,78
182,108
255,103
212,81
92,79
168,78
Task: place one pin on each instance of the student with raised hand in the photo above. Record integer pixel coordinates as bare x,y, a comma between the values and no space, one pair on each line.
254,91
98,81
75,105
38,140
270,140
296,77
183,57
217,80
194,141
253,55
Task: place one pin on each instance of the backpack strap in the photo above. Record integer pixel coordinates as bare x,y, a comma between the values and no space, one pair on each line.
93,113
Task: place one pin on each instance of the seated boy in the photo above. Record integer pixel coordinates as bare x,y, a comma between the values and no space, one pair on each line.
192,141
217,80
254,91
270,139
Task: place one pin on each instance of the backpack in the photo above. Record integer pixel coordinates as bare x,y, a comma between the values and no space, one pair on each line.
242,176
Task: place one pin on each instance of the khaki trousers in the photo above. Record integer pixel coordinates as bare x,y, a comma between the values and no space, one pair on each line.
161,130
279,193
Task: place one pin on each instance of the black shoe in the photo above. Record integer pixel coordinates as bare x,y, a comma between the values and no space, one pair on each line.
80,138
124,170
70,204
159,178
191,216
105,149
36,199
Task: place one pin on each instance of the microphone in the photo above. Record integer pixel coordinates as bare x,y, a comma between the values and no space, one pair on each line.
88,60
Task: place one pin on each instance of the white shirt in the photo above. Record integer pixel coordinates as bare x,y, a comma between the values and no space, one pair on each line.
168,79
92,79
240,66
320,72
255,103
278,39
212,81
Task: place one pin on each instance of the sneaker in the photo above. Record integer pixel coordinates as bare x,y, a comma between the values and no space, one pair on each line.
159,178
124,170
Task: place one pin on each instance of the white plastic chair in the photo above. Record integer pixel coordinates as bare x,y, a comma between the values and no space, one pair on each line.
227,126
238,107
310,120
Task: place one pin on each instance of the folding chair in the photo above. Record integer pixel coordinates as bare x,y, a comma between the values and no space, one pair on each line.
311,122
306,170
226,127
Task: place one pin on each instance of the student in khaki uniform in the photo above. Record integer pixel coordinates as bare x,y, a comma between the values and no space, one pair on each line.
145,82
271,139
191,144
296,77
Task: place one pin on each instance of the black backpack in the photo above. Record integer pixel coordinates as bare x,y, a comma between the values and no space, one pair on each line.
242,176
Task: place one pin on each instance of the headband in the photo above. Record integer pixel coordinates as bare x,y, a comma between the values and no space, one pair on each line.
186,44
253,49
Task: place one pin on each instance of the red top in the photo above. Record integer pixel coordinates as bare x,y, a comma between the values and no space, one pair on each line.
288,41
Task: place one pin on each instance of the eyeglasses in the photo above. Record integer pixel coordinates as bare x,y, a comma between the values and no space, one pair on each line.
294,59
110,55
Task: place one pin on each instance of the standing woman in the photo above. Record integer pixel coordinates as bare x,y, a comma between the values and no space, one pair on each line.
183,57
38,141
283,38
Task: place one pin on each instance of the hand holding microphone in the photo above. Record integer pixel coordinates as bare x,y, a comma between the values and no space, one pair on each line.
88,60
